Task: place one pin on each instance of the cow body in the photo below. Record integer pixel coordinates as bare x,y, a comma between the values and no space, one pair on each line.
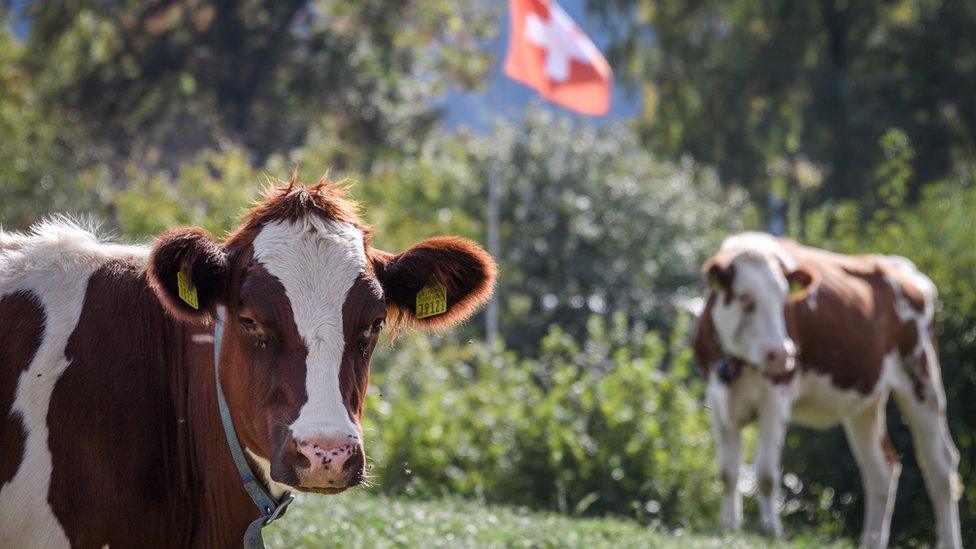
110,432
861,329
113,409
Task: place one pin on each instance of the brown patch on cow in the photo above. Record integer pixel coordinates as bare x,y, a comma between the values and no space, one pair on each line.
907,337
917,368
364,305
891,455
138,453
267,389
846,335
21,332
108,455
705,346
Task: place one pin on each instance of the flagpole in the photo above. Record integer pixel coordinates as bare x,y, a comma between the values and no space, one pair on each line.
491,312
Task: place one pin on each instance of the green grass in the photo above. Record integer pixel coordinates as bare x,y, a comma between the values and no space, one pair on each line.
360,519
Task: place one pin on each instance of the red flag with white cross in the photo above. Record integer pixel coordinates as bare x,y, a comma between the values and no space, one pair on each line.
550,54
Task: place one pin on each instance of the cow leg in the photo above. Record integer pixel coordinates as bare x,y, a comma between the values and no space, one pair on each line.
728,447
774,414
880,468
922,402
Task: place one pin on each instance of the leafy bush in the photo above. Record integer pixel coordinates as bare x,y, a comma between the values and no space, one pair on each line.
598,426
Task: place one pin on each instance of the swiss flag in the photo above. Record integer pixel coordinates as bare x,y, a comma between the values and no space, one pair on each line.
550,54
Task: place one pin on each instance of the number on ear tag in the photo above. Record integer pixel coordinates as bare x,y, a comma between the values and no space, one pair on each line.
186,289
431,300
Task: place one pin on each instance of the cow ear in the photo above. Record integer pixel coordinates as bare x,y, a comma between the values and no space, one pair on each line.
437,283
719,275
189,272
802,282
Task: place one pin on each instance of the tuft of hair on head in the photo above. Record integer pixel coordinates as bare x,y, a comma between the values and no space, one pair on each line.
294,179
294,200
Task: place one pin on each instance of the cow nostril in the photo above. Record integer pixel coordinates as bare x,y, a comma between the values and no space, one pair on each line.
302,461
355,462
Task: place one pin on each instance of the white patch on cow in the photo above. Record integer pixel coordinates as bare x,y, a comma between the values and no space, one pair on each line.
906,312
923,283
820,404
53,262
317,261
277,489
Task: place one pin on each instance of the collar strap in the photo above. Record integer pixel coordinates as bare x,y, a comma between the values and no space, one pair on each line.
730,367
269,508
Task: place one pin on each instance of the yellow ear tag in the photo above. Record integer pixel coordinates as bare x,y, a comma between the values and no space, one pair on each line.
431,300
796,288
187,291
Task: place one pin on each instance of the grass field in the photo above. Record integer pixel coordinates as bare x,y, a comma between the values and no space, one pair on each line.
370,520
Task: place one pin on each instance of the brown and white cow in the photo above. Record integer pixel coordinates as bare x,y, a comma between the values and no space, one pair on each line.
109,426
796,333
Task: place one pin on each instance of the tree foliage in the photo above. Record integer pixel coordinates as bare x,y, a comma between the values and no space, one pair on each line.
593,223
806,89
154,83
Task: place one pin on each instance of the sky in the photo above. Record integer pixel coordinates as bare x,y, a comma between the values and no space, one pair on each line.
503,97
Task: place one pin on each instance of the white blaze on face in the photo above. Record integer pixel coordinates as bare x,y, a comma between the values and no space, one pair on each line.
750,335
317,261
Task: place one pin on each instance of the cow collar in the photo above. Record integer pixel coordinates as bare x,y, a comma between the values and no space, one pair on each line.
730,367
269,508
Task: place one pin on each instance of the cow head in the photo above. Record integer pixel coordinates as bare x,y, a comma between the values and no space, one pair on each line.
753,288
306,297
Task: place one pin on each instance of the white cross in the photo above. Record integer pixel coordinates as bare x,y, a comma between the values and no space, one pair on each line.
561,40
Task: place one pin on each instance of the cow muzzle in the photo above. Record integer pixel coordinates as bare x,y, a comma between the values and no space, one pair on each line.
329,464
778,361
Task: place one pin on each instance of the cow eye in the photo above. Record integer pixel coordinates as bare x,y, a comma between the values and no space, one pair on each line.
376,326
248,323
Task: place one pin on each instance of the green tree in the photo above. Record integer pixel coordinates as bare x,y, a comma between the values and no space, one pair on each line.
593,223
753,86
103,101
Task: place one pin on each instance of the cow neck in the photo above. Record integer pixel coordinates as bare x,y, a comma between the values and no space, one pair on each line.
269,508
